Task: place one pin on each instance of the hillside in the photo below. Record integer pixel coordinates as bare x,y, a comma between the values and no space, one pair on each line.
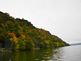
16,33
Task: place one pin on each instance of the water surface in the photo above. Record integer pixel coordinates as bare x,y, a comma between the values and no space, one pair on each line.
69,53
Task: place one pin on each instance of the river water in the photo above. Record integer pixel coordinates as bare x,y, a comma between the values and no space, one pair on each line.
69,53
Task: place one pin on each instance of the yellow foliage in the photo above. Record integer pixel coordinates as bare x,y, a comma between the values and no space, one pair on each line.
22,35
12,34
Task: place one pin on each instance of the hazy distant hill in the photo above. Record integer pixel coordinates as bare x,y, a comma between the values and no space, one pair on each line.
19,33
76,44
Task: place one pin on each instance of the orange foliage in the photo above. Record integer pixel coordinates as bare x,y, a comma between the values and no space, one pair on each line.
12,37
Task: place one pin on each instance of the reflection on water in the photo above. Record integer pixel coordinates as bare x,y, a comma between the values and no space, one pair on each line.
35,55
70,53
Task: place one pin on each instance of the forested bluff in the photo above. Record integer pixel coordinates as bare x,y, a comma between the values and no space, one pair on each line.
20,34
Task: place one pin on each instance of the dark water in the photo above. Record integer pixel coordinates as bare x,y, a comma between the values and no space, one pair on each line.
70,53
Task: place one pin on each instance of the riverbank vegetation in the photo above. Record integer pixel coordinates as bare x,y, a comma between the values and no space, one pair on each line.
16,33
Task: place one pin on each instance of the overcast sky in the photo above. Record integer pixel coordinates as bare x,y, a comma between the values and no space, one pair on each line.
60,17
